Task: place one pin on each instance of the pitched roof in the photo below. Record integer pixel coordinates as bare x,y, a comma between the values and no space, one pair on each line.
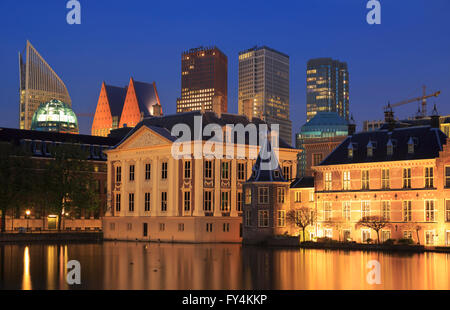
116,97
169,121
266,167
16,135
428,143
303,182
146,95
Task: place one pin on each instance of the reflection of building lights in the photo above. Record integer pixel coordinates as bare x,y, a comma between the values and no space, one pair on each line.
26,281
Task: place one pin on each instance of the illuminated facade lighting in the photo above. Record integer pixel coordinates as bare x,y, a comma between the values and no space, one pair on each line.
264,88
204,86
38,84
327,87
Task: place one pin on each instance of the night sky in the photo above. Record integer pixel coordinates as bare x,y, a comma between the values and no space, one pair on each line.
144,39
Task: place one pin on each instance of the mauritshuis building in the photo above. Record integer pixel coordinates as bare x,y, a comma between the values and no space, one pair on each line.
155,196
264,87
204,81
38,84
327,87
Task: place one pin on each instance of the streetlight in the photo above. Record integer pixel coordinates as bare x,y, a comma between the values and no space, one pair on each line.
28,212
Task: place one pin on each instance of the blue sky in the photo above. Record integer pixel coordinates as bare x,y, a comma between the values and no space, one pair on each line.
144,39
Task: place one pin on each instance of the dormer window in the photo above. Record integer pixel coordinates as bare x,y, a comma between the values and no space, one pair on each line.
350,150
411,146
370,149
390,148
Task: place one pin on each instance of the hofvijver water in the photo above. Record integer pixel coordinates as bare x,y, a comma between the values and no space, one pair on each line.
129,265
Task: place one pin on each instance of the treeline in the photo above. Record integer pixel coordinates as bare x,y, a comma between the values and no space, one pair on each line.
62,184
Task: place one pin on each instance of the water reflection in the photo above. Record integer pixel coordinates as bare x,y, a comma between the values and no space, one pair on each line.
121,265
26,281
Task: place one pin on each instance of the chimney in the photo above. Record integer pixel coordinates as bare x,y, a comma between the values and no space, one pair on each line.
351,126
435,118
157,110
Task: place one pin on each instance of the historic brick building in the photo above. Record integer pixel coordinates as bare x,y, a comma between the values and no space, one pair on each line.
156,196
38,145
268,197
399,174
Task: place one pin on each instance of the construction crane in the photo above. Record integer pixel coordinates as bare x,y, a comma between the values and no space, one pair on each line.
423,98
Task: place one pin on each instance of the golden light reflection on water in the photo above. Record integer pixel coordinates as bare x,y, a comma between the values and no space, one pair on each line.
124,265
26,280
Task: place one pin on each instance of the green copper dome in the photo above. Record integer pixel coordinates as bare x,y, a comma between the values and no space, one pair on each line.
56,116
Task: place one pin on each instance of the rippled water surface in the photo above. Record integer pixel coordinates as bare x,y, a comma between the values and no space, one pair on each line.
122,265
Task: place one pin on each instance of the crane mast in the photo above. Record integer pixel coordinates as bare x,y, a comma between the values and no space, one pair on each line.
423,99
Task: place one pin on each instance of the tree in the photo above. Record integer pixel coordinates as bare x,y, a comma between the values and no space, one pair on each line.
15,180
338,223
414,227
301,218
69,182
374,222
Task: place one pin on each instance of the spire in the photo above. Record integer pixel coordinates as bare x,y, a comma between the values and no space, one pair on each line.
435,118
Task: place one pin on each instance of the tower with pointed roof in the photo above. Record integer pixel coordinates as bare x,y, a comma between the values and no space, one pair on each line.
109,109
139,103
266,199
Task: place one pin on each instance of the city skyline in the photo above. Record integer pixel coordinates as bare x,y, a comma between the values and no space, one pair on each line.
379,74
245,148
264,87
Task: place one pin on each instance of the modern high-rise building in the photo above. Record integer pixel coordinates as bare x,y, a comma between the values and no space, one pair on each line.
109,109
38,84
264,88
204,81
142,100
119,107
327,87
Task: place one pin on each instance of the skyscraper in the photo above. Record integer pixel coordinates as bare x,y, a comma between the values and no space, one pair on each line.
327,87
264,88
38,84
204,84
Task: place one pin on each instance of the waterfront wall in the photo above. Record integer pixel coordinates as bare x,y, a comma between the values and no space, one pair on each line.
52,237
173,229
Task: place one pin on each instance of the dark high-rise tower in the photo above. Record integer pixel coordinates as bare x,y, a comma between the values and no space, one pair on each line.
327,87
204,84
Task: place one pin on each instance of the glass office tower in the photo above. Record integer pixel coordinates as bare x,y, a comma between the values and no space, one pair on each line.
264,87
38,84
327,87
